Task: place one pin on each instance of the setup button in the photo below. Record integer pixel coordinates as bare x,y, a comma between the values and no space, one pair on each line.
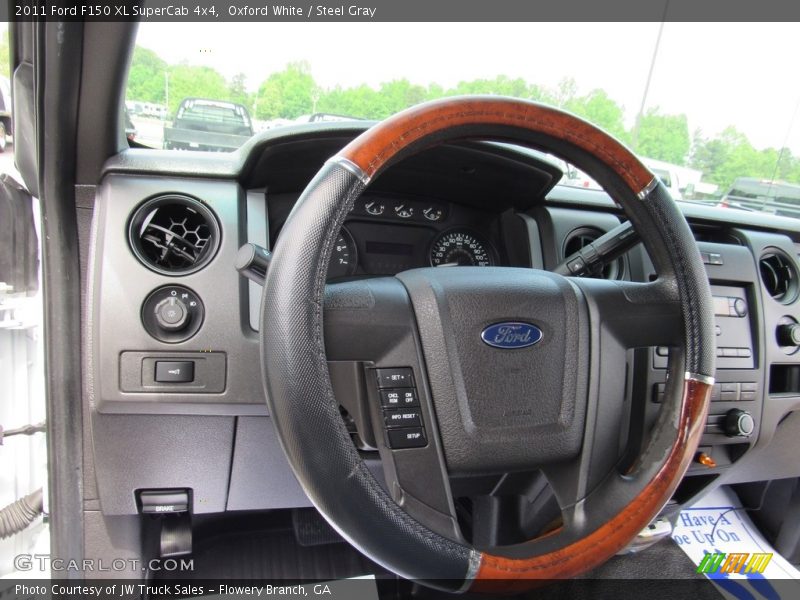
408,437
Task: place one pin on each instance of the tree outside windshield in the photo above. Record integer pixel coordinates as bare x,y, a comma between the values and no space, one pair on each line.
696,158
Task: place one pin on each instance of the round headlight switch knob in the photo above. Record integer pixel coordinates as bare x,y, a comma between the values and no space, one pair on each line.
171,314
739,423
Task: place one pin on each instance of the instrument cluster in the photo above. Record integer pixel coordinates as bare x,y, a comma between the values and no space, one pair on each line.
384,236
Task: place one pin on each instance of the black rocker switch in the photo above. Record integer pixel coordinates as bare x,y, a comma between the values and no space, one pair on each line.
169,371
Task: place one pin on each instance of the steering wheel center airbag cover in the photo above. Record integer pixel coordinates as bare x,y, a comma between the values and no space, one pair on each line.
499,409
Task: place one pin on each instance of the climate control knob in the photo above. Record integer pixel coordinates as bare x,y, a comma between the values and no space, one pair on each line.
738,423
789,334
171,314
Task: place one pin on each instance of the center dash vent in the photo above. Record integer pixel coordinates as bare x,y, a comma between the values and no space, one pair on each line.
174,234
779,275
579,238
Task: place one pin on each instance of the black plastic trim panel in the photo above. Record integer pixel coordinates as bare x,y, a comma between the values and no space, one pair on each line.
119,284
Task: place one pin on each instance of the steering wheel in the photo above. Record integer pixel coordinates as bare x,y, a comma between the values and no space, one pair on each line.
555,405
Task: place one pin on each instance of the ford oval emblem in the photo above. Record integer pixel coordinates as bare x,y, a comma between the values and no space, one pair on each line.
511,334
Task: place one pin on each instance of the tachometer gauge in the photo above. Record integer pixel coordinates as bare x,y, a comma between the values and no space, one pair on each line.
460,248
344,258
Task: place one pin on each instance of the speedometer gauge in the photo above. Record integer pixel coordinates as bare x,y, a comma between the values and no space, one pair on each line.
460,248
344,258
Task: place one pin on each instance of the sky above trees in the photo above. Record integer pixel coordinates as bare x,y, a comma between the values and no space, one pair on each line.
717,74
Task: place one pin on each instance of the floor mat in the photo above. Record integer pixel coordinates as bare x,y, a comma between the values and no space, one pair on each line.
273,555
721,540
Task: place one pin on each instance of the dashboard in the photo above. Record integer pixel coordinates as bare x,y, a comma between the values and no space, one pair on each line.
172,364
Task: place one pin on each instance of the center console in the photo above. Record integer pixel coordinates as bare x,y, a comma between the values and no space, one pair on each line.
754,283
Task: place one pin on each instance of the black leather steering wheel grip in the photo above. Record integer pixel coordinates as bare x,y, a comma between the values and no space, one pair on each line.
306,414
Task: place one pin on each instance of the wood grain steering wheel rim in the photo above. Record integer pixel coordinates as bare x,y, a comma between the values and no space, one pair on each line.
292,373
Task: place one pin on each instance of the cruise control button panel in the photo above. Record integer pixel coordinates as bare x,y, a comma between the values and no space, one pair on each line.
402,418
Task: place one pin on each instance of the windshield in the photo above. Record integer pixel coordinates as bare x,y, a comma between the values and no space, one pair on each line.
704,113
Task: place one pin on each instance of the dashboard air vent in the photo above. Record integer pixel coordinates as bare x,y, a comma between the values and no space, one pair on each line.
582,237
779,275
174,234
